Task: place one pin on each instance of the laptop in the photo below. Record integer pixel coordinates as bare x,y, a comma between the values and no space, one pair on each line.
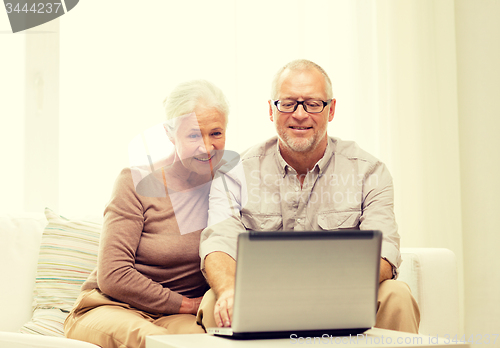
307,283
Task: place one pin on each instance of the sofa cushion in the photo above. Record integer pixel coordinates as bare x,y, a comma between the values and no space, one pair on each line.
18,340
68,253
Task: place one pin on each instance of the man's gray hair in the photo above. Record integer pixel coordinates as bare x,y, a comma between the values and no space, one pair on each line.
300,64
187,96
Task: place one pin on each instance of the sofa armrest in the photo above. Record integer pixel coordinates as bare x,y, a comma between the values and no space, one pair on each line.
432,276
20,236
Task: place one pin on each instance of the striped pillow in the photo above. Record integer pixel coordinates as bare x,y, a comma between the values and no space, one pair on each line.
68,254
47,322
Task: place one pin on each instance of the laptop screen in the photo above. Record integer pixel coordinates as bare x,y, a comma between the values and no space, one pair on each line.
307,280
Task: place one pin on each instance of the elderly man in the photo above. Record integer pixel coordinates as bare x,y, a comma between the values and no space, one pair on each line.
303,180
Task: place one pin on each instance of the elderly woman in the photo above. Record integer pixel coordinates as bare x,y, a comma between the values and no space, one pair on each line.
148,279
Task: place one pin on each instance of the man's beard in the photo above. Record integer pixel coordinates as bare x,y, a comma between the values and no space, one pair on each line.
297,144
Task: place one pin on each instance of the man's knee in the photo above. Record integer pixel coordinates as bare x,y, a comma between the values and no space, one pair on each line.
397,308
395,291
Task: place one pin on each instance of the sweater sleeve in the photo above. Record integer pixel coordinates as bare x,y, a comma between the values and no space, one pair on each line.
117,275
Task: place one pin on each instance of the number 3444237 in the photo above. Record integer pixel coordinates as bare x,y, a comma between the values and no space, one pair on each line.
472,339
41,7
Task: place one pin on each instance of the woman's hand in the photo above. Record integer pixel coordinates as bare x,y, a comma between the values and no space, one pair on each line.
190,305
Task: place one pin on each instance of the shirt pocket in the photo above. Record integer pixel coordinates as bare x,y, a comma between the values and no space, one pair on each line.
339,220
262,222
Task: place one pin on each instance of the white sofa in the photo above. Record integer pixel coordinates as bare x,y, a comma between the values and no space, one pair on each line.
431,274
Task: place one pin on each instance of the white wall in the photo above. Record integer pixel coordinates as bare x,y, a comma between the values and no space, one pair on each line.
42,119
115,71
12,83
478,52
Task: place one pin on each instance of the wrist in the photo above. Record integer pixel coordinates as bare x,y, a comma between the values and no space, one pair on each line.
189,305
186,306
394,269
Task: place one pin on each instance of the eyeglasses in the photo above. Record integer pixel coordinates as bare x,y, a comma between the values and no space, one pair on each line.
310,106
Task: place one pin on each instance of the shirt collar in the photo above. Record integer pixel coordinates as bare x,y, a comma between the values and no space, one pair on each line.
282,165
320,166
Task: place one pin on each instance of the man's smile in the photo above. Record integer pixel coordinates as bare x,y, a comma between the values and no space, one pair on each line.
204,159
299,129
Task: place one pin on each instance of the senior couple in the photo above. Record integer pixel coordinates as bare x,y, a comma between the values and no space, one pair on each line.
148,279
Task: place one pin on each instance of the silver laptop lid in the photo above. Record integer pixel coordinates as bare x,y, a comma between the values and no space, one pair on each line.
316,280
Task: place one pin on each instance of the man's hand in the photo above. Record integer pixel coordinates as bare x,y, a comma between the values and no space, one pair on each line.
220,269
190,305
385,270
223,310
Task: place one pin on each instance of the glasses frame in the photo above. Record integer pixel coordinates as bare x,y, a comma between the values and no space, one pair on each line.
325,103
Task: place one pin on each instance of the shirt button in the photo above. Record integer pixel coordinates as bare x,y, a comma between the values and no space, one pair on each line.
299,220
296,189
261,225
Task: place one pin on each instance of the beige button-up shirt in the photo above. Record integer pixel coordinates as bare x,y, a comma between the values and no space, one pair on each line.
347,189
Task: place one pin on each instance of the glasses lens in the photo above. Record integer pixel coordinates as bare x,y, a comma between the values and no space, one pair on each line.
314,105
287,105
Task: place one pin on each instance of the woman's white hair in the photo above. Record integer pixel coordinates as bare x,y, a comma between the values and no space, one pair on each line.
187,96
300,64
